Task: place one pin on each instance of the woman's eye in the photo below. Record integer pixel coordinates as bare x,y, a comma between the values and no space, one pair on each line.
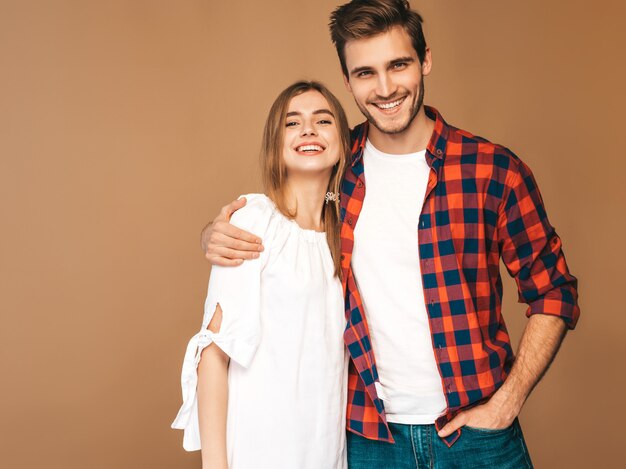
325,122
291,124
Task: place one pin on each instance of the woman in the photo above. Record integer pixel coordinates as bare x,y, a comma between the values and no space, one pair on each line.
271,365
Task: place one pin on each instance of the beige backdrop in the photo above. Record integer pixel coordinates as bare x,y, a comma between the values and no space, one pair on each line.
125,125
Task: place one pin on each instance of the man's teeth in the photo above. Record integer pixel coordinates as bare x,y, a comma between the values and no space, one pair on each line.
389,105
309,148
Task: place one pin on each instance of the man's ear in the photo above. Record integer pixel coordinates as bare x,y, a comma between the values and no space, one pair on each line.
427,63
346,82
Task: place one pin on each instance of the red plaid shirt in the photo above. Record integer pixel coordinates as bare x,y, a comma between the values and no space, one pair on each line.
482,204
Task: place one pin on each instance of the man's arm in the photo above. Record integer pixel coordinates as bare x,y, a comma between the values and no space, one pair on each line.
538,346
531,251
225,244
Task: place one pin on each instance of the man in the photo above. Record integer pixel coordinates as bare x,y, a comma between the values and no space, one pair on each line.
428,212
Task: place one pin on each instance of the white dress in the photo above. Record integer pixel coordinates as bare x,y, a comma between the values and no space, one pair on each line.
282,327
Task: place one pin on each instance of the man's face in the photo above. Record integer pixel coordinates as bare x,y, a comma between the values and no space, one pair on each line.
386,79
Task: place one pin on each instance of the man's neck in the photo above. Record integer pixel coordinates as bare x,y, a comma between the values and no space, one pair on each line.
415,138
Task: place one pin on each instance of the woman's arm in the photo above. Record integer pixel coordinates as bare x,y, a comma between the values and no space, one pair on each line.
213,400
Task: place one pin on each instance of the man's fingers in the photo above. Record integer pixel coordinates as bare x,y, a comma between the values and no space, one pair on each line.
453,425
219,239
232,231
225,244
228,210
222,261
221,251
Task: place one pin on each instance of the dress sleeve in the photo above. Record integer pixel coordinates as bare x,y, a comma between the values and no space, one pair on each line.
238,292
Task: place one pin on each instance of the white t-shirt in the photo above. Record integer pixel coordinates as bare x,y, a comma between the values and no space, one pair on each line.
282,327
386,266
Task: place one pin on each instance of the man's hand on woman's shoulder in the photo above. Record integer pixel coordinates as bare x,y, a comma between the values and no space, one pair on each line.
225,244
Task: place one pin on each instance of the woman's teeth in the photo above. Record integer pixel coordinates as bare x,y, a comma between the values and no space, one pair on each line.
309,148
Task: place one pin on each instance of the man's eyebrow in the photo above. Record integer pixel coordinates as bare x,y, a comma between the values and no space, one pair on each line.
318,111
367,68
408,59
356,70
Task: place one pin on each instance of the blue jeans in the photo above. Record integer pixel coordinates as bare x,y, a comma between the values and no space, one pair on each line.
418,446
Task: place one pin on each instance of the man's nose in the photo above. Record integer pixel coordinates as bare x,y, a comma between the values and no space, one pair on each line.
386,87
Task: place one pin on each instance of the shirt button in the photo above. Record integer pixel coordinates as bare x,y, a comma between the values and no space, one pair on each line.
350,221
342,257
439,152
359,184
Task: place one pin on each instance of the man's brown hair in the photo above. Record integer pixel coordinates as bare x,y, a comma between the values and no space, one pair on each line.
359,19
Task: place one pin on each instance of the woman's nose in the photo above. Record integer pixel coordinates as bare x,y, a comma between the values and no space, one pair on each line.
308,129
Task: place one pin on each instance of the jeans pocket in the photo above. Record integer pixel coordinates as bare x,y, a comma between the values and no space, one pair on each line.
489,431
501,448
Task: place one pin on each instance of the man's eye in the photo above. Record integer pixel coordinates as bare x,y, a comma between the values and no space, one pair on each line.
399,65
364,74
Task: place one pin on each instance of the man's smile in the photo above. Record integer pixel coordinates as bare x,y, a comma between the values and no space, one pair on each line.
389,107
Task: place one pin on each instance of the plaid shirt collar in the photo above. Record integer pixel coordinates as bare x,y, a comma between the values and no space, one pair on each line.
436,148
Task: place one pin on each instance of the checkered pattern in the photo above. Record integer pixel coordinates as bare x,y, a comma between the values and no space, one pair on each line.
482,204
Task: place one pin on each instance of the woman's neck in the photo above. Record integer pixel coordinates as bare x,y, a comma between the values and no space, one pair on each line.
306,195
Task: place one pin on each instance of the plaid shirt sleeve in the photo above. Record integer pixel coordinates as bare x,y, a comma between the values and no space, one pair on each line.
531,249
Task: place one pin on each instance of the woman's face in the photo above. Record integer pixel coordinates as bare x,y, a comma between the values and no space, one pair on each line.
311,140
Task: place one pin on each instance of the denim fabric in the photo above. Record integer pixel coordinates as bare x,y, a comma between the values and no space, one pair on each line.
418,446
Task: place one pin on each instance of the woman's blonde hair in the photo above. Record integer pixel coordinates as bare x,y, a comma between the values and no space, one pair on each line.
275,172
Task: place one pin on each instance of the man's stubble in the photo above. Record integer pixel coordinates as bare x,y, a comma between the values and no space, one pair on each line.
416,106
